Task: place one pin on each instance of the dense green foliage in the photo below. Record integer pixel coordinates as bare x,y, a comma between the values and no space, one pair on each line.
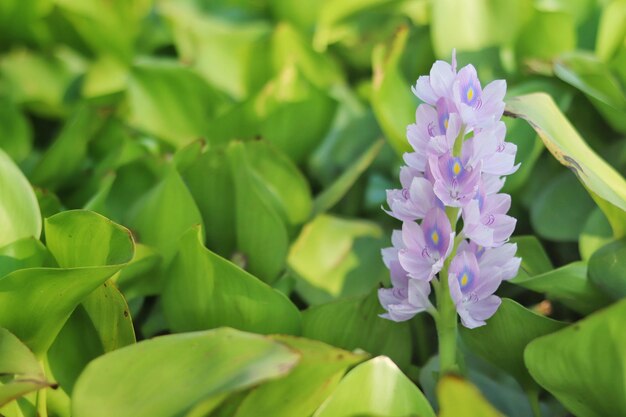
212,173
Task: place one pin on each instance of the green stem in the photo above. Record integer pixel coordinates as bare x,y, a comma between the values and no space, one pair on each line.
533,398
447,320
42,402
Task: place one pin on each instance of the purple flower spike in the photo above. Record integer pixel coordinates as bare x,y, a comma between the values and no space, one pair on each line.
456,182
485,221
460,159
472,290
426,246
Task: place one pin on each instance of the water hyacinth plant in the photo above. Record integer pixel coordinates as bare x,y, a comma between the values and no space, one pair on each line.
454,174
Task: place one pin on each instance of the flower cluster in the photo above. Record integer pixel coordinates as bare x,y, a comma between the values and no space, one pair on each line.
455,171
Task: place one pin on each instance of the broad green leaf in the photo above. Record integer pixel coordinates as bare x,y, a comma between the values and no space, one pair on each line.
19,210
170,101
24,253
378,387
605,185
535,260
596,233
16,136
108,27
289,189
106,75
611,30
261,233
164,214
475,24
560,210
81,238
546,35
53,72
35,303
459,398
301,392
582,365
18,361
331,195
503,340
607,269
356,325
235,46
139,277
211,184
154,379
585,72
66,156
334,258
569,285
594,78
205,291
392,101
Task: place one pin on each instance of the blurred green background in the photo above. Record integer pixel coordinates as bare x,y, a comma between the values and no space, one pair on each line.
278,125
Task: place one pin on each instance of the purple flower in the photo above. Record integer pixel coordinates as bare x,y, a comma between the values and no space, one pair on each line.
478,107
456,182
412,202
407,297
488,145
472,290
485,221
426,245
431,88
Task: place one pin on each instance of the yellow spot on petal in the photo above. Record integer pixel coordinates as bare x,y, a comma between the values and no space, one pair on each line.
445,124
470,94
435,237
464,280
456,168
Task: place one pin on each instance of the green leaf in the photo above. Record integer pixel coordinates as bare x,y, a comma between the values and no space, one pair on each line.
333,194
582,365
235,46
287,186
17,360
302,391
334,258
108,27
66,156
476,24
605,185
205,291
101,324
19,210
211,184
35,303
607,269
24,253
81,238
261,233
560,210
392,101
459,398
378,387
153,379
161,217
503,340
170,101
356,325
596,233
611,30
535,260
568,285
547,34
585,72
16,136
